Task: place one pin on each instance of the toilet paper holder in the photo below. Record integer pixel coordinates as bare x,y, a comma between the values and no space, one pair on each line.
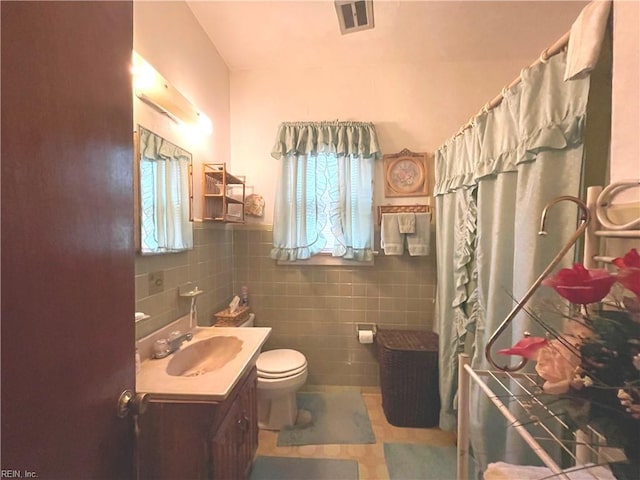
370,327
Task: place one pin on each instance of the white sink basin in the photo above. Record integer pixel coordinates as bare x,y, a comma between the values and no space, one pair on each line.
206,368
204,356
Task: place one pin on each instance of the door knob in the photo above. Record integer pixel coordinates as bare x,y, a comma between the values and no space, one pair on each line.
130,402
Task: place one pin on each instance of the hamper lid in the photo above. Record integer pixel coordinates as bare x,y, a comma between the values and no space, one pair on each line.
280,361
418,340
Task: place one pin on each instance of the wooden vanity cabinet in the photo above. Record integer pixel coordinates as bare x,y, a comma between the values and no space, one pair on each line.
235,440
200,439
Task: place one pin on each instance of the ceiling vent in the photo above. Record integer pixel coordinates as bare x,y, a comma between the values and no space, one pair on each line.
354,16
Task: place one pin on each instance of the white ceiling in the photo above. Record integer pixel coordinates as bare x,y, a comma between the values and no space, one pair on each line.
303,33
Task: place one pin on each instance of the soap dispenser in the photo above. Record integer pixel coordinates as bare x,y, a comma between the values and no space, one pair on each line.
244,296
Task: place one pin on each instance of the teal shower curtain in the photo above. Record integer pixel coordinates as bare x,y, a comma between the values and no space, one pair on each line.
492,183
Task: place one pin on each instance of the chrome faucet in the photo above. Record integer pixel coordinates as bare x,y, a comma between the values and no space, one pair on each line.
176,341
166,346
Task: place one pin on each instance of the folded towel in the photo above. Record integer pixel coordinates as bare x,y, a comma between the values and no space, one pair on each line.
507,471
407,222
585,39
419,243
391,240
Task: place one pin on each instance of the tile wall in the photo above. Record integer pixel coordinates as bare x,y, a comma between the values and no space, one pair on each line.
208,265
315,309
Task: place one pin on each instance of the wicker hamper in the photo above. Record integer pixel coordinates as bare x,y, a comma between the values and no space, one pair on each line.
409,377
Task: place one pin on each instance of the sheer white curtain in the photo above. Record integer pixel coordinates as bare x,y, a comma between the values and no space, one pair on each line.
164,195
326,180
519,156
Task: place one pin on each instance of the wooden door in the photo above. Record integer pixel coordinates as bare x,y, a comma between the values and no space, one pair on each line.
67,238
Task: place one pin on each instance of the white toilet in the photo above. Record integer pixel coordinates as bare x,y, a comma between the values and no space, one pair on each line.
281,373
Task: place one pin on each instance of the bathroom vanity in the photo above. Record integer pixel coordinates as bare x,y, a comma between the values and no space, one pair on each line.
201,424
200,440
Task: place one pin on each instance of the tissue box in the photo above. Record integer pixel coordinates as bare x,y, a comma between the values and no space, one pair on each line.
225,318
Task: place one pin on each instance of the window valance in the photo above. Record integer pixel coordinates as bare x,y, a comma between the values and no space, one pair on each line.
341,138
156,148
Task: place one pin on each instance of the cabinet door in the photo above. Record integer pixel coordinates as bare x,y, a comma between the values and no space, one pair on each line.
226,444
235,440
172,441
249,406
200,440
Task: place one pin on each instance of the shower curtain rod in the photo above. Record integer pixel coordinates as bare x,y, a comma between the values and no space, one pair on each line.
558,46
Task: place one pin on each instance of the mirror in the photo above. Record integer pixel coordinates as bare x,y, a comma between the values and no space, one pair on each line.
164,195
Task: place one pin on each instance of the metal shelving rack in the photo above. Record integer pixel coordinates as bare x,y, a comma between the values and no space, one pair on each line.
519,397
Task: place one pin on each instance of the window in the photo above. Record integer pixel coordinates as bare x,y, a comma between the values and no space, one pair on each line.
165,185
324,199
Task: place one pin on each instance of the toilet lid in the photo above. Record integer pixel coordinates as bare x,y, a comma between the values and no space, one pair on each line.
277,376
279,362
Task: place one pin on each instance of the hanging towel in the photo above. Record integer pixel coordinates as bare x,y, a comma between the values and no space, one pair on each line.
585,39
419,243
391,240
507,471
407,222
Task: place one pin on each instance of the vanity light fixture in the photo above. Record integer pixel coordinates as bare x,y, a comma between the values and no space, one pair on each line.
152,88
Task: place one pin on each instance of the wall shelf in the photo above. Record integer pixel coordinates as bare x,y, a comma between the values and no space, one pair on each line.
223,194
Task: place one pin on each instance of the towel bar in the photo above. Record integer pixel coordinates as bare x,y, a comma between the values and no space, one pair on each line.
402,209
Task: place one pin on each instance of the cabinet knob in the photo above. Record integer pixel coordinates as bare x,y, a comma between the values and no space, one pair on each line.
243,426
243,423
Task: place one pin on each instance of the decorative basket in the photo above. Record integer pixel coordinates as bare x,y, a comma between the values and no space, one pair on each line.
225,318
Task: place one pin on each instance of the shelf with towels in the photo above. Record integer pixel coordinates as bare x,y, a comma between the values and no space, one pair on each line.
412,229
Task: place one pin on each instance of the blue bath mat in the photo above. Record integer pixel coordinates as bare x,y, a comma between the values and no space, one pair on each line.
335,418
289,468
406,460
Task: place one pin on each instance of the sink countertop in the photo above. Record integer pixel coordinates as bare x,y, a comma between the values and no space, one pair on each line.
213,386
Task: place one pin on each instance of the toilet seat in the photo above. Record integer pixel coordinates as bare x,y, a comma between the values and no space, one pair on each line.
280,363
290,373
284,384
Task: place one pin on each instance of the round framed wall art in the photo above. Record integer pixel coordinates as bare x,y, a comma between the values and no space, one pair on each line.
406,174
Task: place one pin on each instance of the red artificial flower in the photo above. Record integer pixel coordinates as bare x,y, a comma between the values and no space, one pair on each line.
630,260
629,273
580,285
527,347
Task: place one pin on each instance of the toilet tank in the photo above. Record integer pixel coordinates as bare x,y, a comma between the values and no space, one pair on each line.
250,322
